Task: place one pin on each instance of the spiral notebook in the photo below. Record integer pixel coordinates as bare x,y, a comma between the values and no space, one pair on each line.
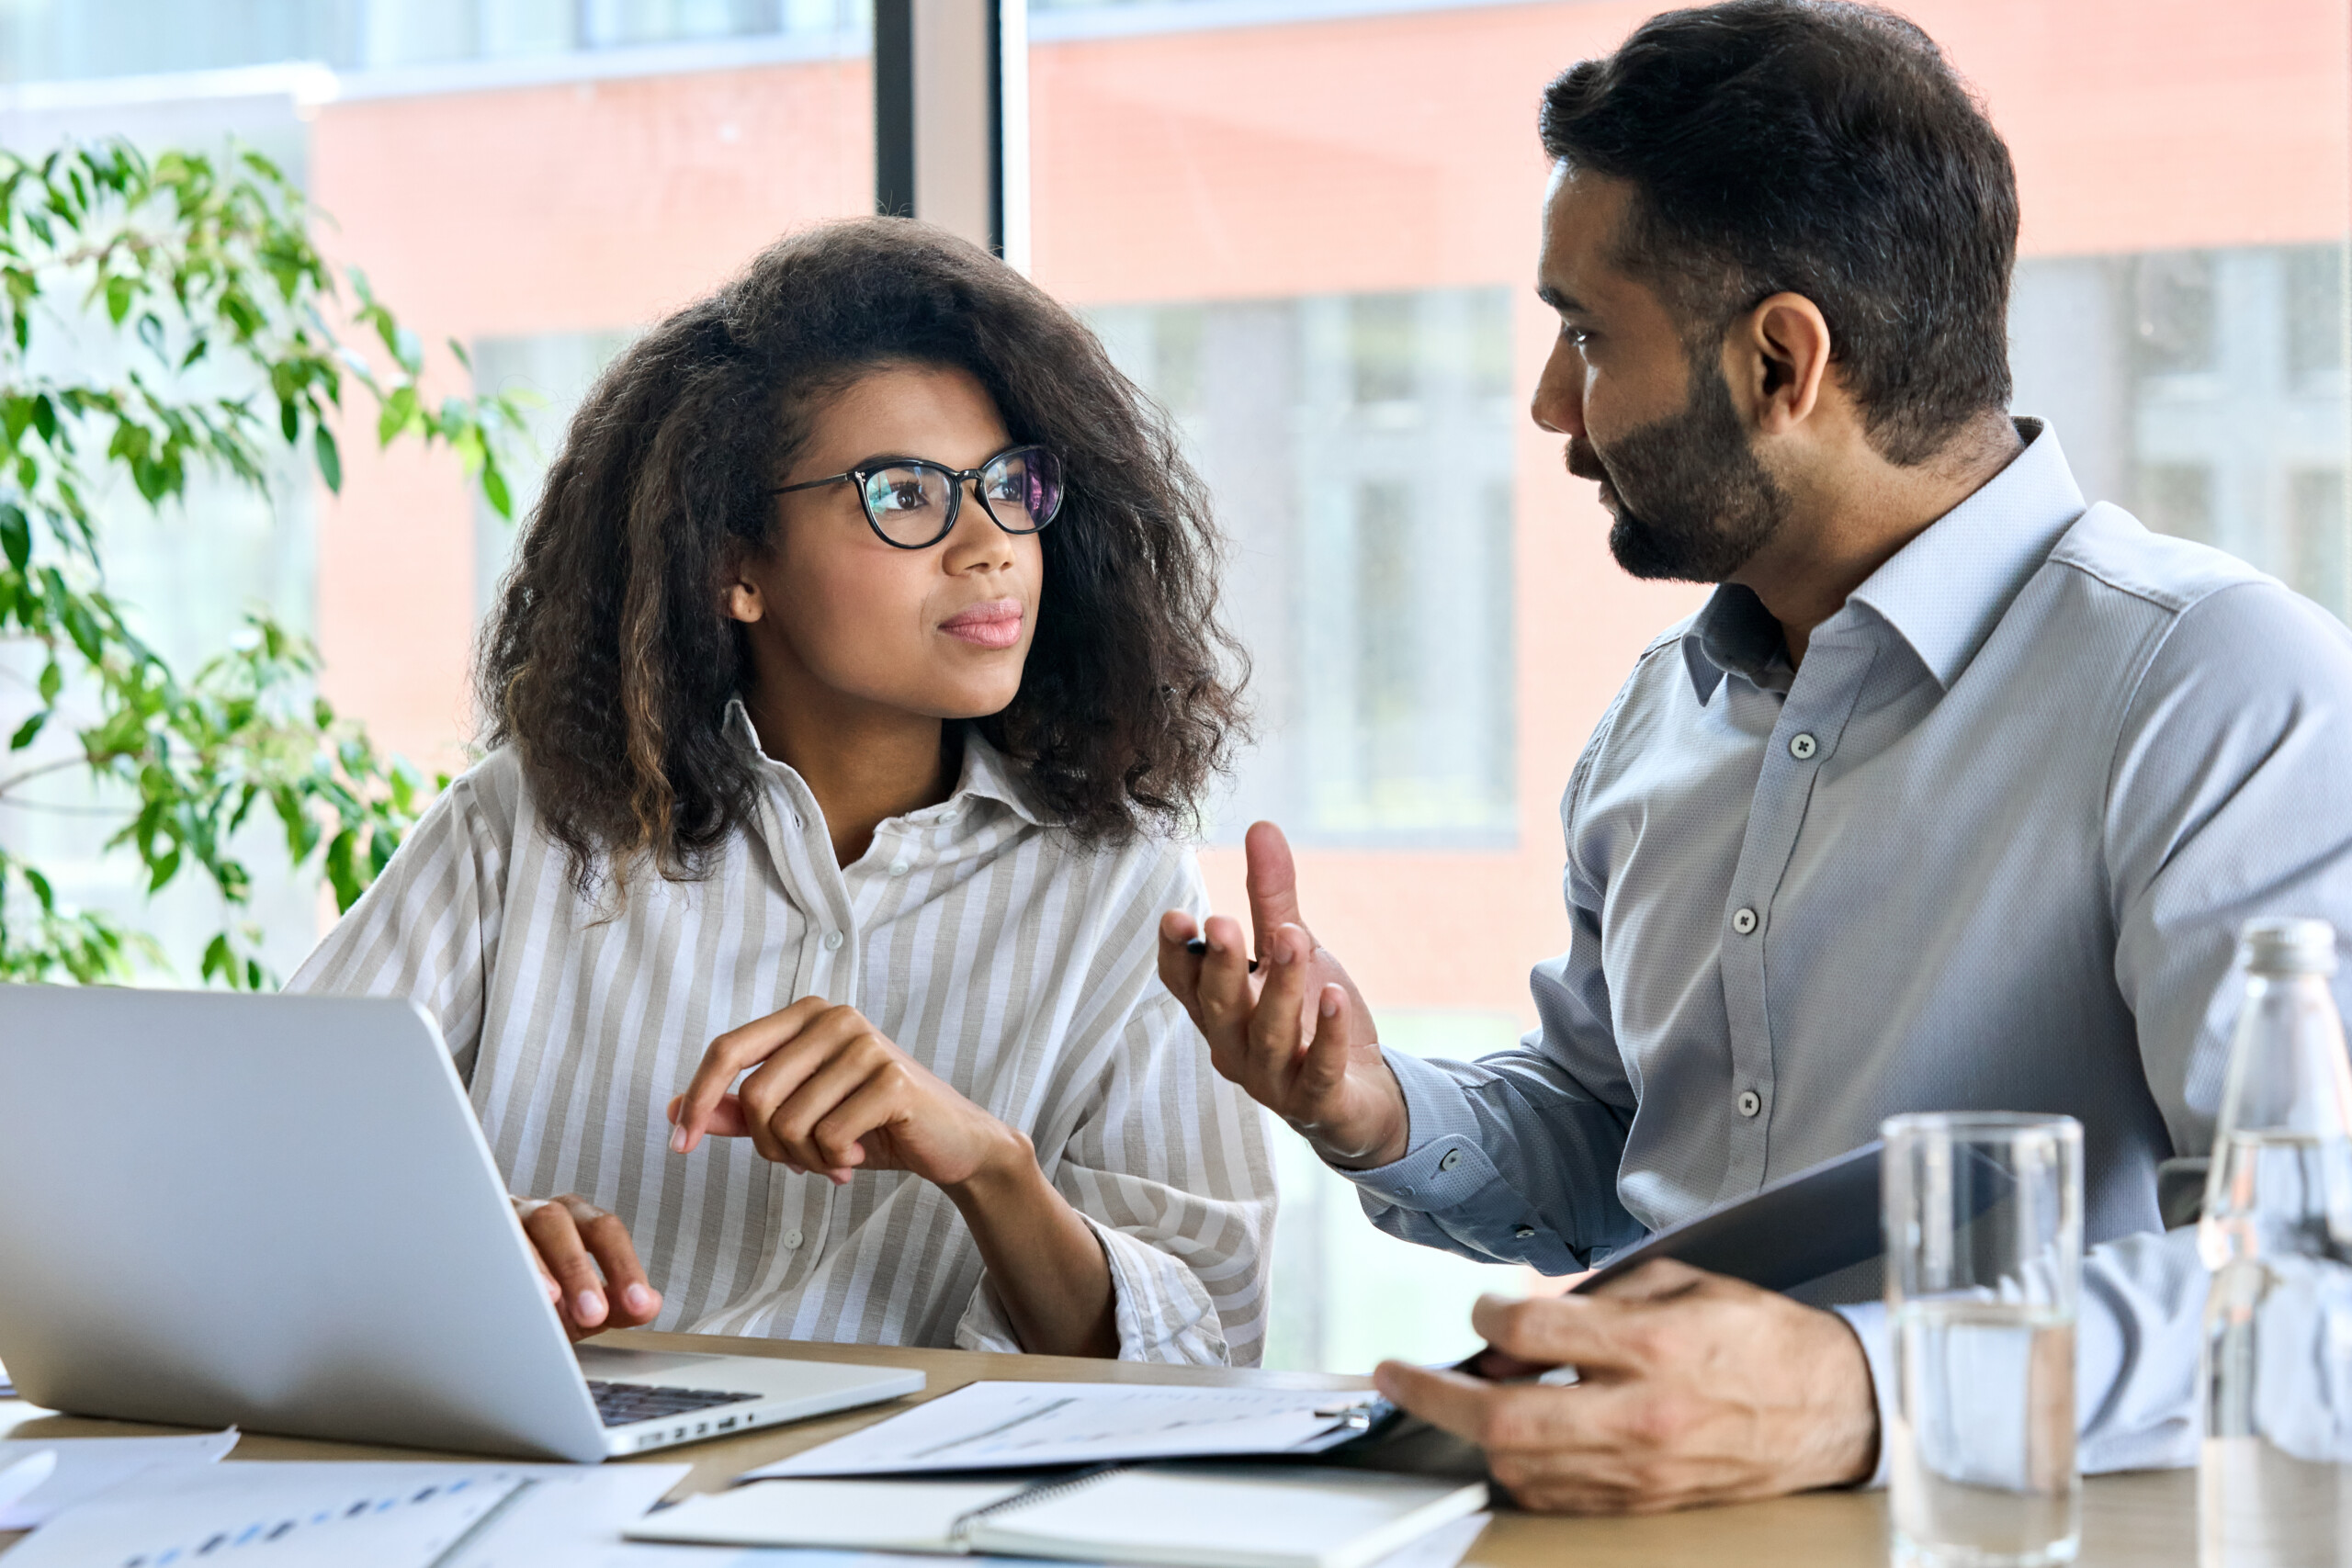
1193,1516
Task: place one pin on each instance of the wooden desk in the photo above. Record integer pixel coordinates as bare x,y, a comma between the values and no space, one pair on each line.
2128,1522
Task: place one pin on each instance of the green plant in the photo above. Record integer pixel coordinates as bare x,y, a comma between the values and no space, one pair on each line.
203,274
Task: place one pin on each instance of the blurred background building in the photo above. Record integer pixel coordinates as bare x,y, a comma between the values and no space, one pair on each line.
1309,227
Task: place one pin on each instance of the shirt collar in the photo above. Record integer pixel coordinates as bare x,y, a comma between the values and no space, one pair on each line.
987,774
1942,593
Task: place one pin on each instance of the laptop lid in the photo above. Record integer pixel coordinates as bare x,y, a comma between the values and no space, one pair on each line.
272,1211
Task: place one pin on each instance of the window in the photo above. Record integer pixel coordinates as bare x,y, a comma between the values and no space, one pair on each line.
2205,390
556,369
1360,449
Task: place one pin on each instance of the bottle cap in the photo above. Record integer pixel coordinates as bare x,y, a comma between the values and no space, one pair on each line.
2285,946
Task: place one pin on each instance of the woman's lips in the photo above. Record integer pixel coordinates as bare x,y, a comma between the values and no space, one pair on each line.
996,624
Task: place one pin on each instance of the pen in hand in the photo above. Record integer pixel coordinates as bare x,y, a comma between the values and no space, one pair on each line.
1199,946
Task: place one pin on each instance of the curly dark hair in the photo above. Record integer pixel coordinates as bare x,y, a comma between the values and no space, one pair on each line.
609,663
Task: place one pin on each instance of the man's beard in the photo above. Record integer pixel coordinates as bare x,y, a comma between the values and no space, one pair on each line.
1692,503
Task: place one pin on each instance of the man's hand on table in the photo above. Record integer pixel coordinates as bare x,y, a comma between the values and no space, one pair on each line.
588,1264
1297,1035
1693,1388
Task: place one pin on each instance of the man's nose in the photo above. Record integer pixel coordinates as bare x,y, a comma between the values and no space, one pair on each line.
1558,403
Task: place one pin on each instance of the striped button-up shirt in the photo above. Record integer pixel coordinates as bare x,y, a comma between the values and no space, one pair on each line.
1988,848
1011,960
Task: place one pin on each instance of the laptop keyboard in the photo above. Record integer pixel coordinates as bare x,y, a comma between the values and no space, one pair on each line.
622,1403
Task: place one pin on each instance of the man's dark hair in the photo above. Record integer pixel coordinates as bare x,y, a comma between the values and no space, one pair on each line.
1820,148
610,660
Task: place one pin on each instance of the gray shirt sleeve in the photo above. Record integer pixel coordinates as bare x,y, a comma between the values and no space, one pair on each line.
1514,1157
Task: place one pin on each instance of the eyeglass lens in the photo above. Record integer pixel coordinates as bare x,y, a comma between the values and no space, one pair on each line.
910,502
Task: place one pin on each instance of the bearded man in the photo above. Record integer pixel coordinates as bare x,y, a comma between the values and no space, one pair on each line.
1954,796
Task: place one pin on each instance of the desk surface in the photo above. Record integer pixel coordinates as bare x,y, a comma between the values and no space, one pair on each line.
2128,1522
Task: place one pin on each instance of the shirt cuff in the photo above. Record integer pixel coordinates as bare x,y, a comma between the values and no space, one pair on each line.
1443,1166
1868,1320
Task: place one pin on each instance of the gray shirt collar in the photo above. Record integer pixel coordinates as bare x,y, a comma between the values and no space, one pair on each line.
1942,593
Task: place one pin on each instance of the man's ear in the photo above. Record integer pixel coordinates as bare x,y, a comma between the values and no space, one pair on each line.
1776,358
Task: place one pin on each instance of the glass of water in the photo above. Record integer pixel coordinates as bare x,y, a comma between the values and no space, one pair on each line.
1983,1269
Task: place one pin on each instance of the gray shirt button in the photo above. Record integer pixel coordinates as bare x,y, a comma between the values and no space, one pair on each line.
1743,920
790,1239
1750,1102
1451,1159
899,868
1523,1232
1801,747
832,941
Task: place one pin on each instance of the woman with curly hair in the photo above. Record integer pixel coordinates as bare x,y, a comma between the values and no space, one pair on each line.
856,679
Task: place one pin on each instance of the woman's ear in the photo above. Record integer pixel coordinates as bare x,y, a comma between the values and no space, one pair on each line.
743,603
739,597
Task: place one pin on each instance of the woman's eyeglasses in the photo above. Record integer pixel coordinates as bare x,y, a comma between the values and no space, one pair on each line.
913,503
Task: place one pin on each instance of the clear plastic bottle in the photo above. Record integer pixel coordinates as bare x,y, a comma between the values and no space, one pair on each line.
2275,1473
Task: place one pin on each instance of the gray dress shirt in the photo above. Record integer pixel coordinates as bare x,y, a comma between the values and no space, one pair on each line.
1988,848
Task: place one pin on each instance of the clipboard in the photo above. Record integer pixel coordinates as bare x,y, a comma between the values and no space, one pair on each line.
1809,1223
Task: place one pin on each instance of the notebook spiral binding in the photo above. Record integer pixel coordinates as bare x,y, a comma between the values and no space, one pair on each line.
960,1532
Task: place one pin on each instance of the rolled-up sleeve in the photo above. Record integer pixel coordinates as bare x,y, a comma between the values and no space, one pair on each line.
1169,1165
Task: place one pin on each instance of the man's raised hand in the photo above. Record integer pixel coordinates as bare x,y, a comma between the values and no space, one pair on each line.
1297,1035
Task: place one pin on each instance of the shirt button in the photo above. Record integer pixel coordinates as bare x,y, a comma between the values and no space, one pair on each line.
1743,920
791,1239
1803,747
832,941
899,868
1523,1232
1750,1102
1453,1158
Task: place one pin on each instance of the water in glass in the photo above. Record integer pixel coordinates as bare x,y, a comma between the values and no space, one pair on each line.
1982,1446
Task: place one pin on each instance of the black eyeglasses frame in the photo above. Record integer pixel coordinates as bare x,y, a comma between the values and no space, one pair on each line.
957,478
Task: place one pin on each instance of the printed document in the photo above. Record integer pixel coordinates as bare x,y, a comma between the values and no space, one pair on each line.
1011,1426
87,1466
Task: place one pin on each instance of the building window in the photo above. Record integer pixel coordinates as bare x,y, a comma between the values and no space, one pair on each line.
555,370
2205,390
1359,448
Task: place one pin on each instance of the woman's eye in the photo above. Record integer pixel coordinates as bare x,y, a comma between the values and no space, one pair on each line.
900,495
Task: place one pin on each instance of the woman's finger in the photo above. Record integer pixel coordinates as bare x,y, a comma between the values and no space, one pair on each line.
877,1102
842,1076
776,1081
629,1297
726,1118
555,1236
728,1055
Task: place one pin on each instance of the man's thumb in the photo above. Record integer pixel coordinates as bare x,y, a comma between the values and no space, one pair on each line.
1273,882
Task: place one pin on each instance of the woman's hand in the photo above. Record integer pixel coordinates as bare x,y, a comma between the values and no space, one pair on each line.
587,1264
830,1094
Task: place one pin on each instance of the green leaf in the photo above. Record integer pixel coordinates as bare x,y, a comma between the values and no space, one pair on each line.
27,730
493,489
217,960
329,459
118,292
16,534
52,681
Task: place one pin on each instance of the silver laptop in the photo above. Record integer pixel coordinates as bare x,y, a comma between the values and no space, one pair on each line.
279,1211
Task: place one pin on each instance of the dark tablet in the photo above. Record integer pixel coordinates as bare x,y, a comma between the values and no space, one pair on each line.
1815,1222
